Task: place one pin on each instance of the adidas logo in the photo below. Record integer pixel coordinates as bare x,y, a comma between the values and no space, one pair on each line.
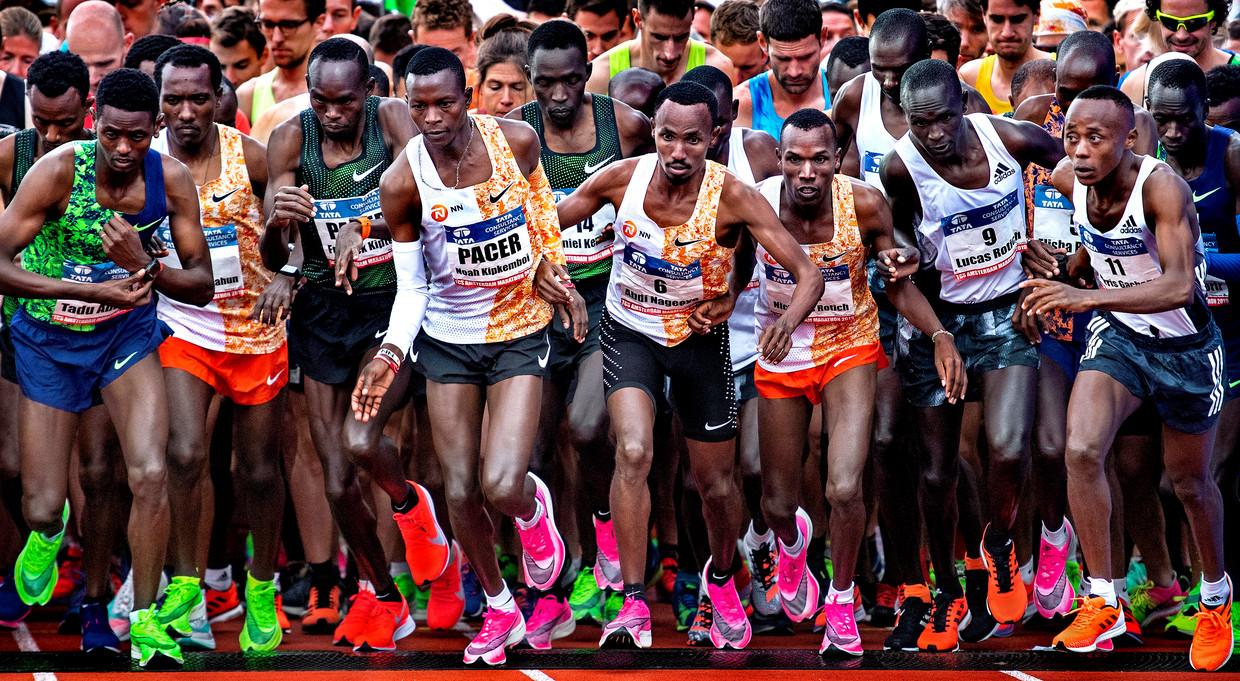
1002,172
1129,226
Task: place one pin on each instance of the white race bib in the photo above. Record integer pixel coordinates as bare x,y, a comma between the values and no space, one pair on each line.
331,215
1052,219
835,305
225,258
80,312
492,253
591,240
985,239
1216,289
1121,262
657,287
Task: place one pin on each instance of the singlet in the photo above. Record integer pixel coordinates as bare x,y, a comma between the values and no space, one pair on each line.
846,315
620,58
764,115
25,145
588,244
232,221
742,341
1216,214
482,245
341,194
872,138
70,247
264,96
997,106
738,160
1127,255
973,237
660,274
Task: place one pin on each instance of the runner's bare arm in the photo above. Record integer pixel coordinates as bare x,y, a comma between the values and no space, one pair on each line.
763,153
902,197
1147,133
744,111
604,187
1028,142
895,261
636,136
255,164
193,283
284,205
844,112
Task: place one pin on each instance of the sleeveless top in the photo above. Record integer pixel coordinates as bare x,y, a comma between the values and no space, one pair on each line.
24,147
742,341
588,244
341,194
232,221
846,315
873,139
1216,214
264,96
70,247
764,116
997,106
483,244
1127,255
973,237
660,274
620,59
738,160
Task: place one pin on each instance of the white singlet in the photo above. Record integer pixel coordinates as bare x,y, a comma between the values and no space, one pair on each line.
873,140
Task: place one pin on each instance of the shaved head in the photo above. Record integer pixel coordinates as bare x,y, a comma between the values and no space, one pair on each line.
92,16
97,35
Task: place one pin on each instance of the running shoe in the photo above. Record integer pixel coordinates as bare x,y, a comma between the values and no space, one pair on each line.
669,570
840,630
771,625
262,630
447,597
798,588
120,606
884,613
35,573
911,618
295,597
350,628
223,605
322,611
942,633
12,608
200,635
182,594
1052,592
427,548
703,622
607,562
981,625
541,545
764,574
730,626
501,629
1214,638
1137,574
404,584
1005,597
586,599
552,620
1151,602
1184,623
685,599
148,638
475,602
1095,621
612,606
281,618
97,636
69,573
630,628
1132,628
389,622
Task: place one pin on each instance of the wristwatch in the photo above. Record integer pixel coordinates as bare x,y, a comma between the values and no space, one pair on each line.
365,223
152,270
289,270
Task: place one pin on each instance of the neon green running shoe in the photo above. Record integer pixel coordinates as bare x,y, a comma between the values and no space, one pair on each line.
406,587
1184,623
36,572
421,598
611,609
180,597
1137,575
148,638
1074,575
586,600
262,628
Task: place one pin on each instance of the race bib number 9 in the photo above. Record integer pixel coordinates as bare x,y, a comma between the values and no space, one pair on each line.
492,253
1121,262
835,305
80,312
592,239
331,215
1052,219
1216,289
657,287
985,239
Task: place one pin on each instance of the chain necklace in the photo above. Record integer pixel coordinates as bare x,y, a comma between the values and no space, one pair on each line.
457,184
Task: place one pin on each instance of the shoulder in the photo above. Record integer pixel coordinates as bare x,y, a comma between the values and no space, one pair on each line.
247,88
969,72
1034,109
759,141
399,175
741,92
892,167
716,58
629,121
1063,177
848,97
288,130
520,135
1134,85
1231,157
252,148
866,197
974,102
1163,179
518,114
1016,133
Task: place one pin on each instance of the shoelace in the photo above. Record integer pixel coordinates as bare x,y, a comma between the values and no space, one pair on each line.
492,625
1003,568
1052,565
581,586
1214,617
322,597
843,625
886,597
94,617
705,613
180,591
730,608
910,605
533,541
362,603
1141,597
686,598
765,567
263,594
545,603
942,608
1086,613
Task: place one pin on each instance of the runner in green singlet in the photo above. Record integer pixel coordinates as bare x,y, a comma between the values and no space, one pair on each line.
662,45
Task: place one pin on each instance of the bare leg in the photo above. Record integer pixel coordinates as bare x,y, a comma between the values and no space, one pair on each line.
103,483
260,480
782,424
188,399
632,417
848,427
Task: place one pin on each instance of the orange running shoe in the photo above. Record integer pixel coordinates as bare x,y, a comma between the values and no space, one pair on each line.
1095,622
322,611
281,618
223,605
1214,638
942,632
351,627
447,599
389,622
1005,596
427,549
1132,628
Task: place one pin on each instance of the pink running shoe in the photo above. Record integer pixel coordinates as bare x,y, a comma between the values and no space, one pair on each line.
630,629
1052,592
798,589
607,563
840,633
501,629
552,619
729,628
542,545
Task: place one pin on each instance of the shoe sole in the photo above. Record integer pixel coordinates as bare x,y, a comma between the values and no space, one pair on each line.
623,639
558,550
227,614
499,655
425,496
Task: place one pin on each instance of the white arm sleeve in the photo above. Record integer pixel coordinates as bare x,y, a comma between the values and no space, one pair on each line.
412,295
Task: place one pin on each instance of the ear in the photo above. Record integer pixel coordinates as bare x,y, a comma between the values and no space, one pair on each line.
637,19
714,136
736,108
762,43
469,96
589,69
1131,140
159,121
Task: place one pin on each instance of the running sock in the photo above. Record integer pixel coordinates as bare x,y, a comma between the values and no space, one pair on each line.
1026,572
322,575
755,541
721,578
538,514
845,596
389,595
637,591
502,600
411,500
396,569
219,579
1214,593
1057,538
794,551
1121,589
1104,589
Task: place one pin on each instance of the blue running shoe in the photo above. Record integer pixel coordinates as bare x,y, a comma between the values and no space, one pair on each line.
97,635
475,602
685,599
12,608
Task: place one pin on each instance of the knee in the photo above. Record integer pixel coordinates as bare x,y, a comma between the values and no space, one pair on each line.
149,479
339,484
1049,449
505,491
1190,489
259,471
460,491
187,459
778,506
940,481
1008,449
843,492
96,473
883,442
1083,458
633,459
587,431
42,511
718,489
358,444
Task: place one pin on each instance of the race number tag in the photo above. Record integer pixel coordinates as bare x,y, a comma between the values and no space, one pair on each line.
1052,219
590,240
1120,262
1216,289
80,312
835,305
871,161
657,287
985,239
492,253
225,258
331,215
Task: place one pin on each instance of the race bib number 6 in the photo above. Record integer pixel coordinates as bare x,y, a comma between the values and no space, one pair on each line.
985,239
331,216
657,287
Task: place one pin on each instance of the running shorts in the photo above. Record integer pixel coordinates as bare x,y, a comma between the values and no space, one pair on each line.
743,378
566,353
481,363
1066,354
1228,321
329,332
809,383
698,369
244,379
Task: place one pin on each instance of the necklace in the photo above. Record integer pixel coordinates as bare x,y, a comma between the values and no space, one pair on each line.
457,184
214,152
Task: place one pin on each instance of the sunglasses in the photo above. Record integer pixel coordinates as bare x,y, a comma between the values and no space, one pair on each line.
287,26
1190,24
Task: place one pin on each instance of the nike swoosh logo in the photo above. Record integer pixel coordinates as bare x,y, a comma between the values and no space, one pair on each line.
1053,598
842,360
589,169
495,198
797,602
829,258
217,198
359,178
271,380
536,572
1234,384
721,425
1197,198
683,244
542,361
413,358
122,362
380,333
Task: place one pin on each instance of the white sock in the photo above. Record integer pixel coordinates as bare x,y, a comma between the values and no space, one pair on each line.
538,514
502,600
845,596
1120,587
1026,572
1057,538
219,579
365,585
797,547
1215,593
755,541
1104,589
275,580
396,569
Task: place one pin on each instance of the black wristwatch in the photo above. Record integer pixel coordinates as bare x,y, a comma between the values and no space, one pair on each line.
153,269
290,271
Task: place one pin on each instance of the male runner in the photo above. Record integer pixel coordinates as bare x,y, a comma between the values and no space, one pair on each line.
1009,23
1188,27
734,32
221,349
587,132
1223,96
606,23
662,45
86,327
671,289
493,257
791,35
239,44
290,27
956,188
340,18
1153,340
323,191
636,87
97,35
967,17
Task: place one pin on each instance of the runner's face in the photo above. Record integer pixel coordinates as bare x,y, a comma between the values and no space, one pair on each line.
240,61
973,37
1181,118
682,135
438,106
1073,76
835,25
807,158
1095,137
888,63
504,89
936,121
1226,114
795,63
340,18
57,119
124,137
666,38
1010,28
188,103
603,31
1196,42
559,81
288,48
748,59
17,54
138,16
338,96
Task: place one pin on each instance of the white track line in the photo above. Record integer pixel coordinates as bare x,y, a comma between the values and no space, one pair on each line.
1020,676
25,643
536,675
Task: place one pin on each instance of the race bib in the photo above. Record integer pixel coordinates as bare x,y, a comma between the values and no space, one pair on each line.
80,312
1216,289
1052,219
492,253
985,239
835,305
590,240
653,286
871,161
331,215
225,258
1120,262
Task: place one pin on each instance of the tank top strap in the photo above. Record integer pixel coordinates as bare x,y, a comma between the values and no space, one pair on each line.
503,162
847,230
707,209
639,182
232,154
697,54
620,59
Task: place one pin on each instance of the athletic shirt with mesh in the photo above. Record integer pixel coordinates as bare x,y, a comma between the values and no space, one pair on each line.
588,244
742,341
973,237
482,246
232,221
24,142
659,275
873,140
341,194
